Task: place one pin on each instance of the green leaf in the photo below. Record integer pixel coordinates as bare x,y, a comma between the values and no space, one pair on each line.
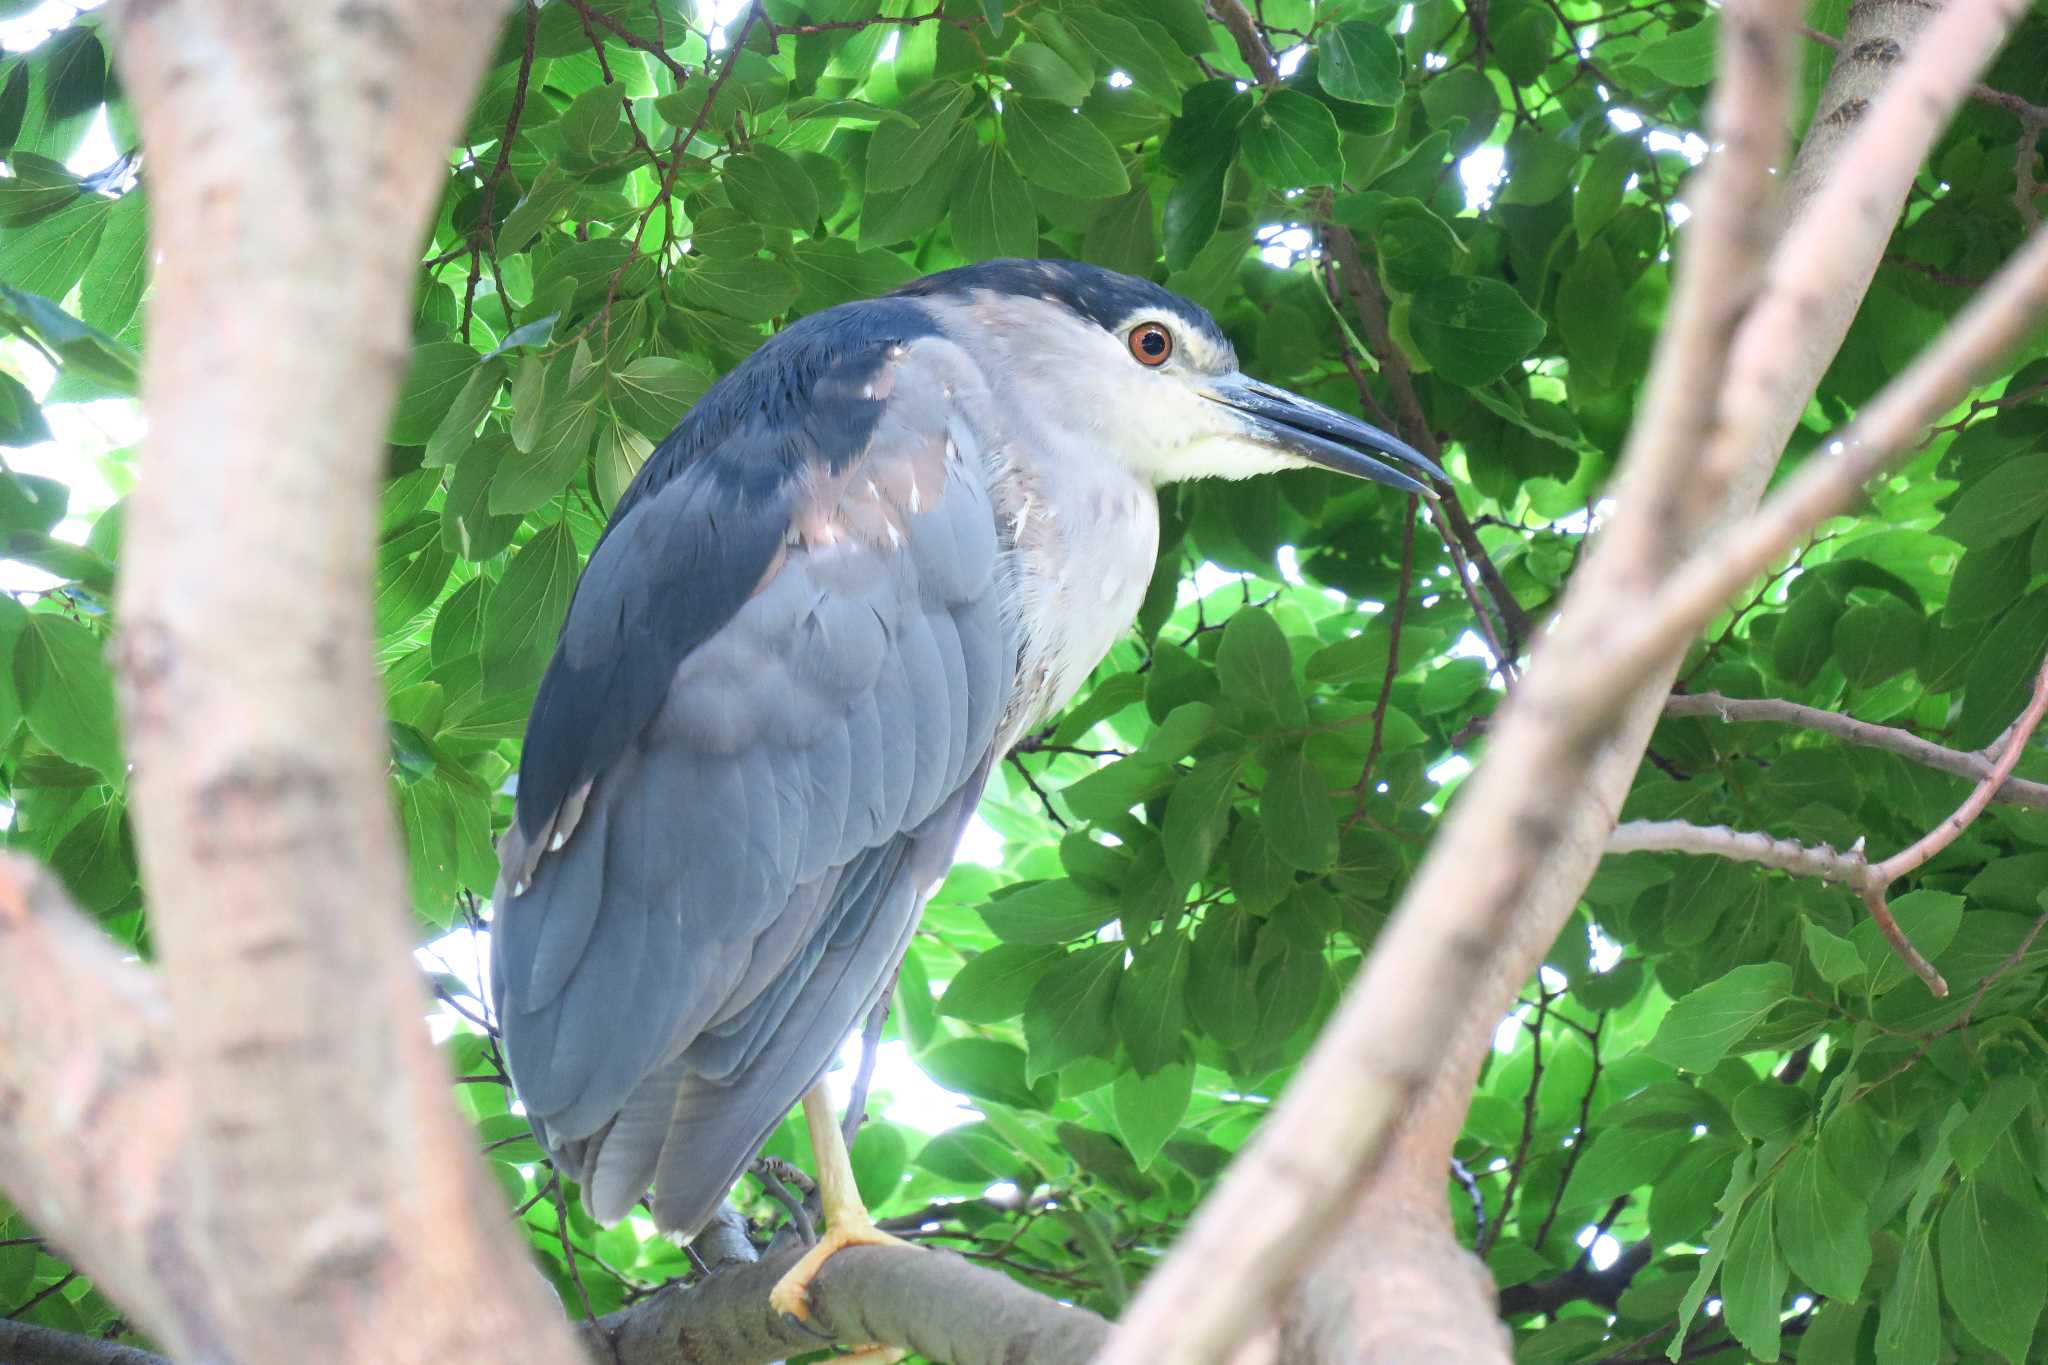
547,196
1069,1013
1601,186
1620,1160
1038,72
1254,665
97,860
83,351
524,613
1590,315
440,370
1686,57
2005,501
993,985
1835,958
1854,1150
746,287
48,256
1706,1023
1875,641
1908,1326
1823,1231
1149,1108
992,210
880,1154
2001,675
1753,1282
426,810
591,121
899,154
1140,48
981,1067
112,288
21,419
1299,817
1197,813
1472,330
1060,150
467,527
834,270
1151,1004
1993,1285
1043,912
456,430
1988,1121
1194,208
1291,142
1359,62
849,111
770,186
1120,235
654,391
66,692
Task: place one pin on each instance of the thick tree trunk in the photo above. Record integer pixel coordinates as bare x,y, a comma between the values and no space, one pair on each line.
268,1166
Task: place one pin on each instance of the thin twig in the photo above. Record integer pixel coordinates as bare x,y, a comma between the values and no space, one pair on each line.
1979,765
2011,745
483,237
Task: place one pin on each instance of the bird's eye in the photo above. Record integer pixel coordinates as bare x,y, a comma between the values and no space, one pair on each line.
1151,343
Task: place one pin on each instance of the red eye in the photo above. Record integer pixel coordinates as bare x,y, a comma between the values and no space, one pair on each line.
1151,343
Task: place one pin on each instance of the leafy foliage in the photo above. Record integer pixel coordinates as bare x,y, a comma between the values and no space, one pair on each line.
1721,1068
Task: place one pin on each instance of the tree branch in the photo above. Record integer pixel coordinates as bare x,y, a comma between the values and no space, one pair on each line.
1742,846
26,1343
325,1176
1738,710
91,1125
932,1302
1871,881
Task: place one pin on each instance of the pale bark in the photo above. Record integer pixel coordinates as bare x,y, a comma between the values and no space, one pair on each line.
265,1163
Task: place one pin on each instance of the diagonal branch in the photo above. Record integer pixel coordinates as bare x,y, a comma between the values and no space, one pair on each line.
1739,710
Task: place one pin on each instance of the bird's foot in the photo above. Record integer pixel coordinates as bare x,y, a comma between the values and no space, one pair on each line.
791,1296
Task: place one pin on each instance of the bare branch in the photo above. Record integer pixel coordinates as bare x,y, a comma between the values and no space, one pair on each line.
1738,710
1741,846
1250,42
1871,881
2010,746
931,1302
88,1108
26,1343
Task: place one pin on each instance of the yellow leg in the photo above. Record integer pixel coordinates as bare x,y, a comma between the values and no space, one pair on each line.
846,1219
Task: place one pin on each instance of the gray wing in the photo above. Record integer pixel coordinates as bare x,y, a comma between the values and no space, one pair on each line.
704,921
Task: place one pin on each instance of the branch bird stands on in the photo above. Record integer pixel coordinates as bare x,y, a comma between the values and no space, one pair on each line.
889,545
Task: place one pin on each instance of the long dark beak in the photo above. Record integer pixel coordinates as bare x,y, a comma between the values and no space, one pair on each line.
1324,435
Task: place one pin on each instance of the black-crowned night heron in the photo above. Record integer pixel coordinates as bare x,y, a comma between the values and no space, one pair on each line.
892,542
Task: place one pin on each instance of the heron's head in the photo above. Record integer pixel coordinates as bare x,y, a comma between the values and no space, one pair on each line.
1155,377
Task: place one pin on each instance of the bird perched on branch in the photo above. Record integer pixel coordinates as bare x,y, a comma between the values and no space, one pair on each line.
894,540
